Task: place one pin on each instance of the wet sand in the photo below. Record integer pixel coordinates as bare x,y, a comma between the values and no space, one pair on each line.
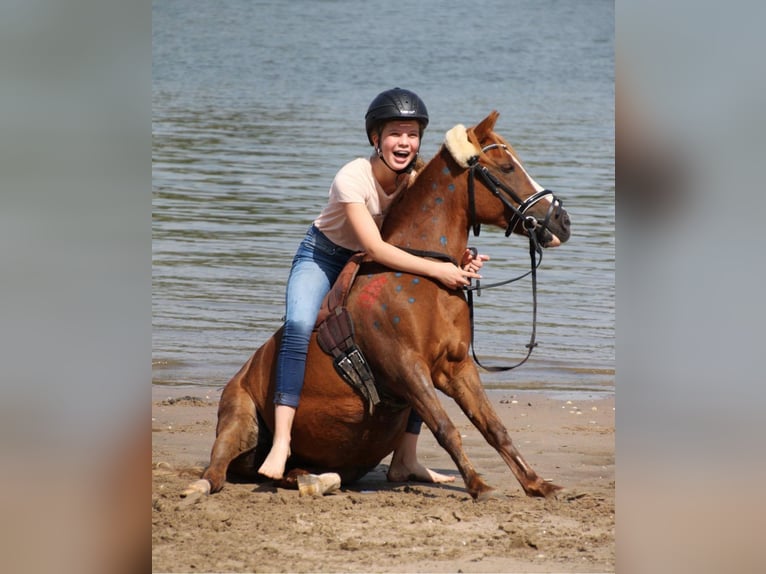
376,526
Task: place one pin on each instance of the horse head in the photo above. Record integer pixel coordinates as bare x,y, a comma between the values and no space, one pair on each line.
494,165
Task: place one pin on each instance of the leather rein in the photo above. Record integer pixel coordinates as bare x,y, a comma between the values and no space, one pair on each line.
531,227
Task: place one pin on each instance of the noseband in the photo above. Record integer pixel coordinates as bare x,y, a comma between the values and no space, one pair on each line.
495,186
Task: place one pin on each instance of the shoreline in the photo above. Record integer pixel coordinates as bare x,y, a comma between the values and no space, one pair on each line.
163,391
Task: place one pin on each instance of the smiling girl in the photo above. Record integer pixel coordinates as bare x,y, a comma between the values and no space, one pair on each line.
359,199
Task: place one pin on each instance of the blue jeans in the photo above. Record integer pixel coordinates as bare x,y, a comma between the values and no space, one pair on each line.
316,266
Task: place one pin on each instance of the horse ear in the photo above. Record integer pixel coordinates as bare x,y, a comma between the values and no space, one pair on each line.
486,125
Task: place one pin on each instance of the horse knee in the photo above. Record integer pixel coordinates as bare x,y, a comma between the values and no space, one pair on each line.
447,434
498,434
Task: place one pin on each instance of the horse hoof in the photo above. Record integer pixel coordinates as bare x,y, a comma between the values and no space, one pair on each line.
197,488
484,495
317,485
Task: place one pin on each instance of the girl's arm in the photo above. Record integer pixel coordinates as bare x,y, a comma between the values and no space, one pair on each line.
368,235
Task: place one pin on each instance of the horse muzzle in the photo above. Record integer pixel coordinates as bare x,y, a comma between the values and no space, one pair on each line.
553,230
554,241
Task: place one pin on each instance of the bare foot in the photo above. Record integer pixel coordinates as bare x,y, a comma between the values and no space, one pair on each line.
416,472
274,465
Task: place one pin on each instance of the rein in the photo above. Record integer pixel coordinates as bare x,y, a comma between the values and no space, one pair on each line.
534,248
530,224
430,254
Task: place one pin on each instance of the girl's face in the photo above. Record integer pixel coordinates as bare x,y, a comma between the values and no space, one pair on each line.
399,142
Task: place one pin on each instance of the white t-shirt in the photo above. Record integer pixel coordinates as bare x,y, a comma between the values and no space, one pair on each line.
354,183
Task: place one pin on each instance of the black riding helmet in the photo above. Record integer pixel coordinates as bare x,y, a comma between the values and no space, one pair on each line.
395,104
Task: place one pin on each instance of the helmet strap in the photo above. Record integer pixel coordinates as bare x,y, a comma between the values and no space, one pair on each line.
408,168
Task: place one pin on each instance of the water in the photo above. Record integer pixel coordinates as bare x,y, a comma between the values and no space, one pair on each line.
257,104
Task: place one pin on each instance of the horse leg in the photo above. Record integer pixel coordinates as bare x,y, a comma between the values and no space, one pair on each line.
235,435
422,396
466,390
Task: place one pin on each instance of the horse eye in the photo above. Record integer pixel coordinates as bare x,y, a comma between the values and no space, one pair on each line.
508,168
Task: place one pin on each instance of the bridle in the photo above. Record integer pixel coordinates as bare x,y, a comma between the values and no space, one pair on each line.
531,226
495,186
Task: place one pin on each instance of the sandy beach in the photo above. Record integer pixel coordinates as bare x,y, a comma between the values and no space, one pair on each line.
377,526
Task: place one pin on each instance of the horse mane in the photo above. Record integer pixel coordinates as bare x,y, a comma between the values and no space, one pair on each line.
418,169
457,143
459,146
419,165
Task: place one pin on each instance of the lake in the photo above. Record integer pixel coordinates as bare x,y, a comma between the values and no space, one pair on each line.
257,104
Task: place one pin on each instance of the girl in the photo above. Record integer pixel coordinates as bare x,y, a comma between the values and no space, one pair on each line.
359,198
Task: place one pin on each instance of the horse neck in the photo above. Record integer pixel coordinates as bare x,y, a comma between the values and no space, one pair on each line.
431,214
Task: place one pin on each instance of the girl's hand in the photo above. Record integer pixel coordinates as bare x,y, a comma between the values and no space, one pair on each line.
456,277
452,276
471,263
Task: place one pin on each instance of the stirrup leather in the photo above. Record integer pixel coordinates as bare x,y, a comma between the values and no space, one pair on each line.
335,336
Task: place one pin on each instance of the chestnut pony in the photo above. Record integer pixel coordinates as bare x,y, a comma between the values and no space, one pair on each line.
414,332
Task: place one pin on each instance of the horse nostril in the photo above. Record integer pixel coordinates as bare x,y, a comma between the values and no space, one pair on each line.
565,219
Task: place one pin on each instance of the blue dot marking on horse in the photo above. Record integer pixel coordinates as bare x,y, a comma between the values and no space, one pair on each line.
376,325
398,288
398,274
396,320
439,200
451,187
384,306
445,171
443,240
411,300
416,280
